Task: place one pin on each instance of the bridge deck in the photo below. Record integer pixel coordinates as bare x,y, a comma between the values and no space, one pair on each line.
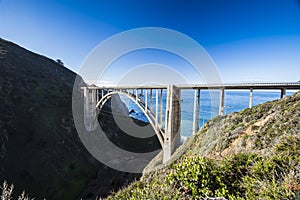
288,86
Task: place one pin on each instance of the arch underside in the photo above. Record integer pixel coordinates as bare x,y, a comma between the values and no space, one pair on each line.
141,104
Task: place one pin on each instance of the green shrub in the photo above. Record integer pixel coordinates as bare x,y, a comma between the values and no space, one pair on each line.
240,176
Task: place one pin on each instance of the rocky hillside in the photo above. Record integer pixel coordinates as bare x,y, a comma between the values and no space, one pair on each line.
255,130
40,150
253,154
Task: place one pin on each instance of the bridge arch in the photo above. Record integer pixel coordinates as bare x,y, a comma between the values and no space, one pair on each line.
141,104
169,136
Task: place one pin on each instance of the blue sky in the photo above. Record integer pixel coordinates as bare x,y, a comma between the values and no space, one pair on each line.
249,40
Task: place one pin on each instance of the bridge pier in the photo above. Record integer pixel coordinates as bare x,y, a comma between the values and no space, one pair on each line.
250,98
90,115
97,96
283,93
156,108
221,106
146,100
150,99
172,124
161,107
196,111
136,94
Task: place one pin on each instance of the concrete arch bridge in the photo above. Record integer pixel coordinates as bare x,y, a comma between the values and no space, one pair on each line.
164,114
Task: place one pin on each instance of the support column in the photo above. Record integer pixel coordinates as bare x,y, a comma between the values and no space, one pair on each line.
251,99
151,99
161,107
146,100
97,96
283,93
172,124
136,94
221,106
90,114
156,108
196,111
93,97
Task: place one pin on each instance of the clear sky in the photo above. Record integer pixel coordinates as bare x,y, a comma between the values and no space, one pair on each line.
249,40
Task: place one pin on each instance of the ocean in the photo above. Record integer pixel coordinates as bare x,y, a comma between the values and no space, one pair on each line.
235,101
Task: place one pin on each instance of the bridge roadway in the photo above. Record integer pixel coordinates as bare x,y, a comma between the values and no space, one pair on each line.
265,86
168,132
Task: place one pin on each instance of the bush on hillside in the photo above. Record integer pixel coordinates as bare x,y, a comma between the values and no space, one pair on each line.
240,176
7,192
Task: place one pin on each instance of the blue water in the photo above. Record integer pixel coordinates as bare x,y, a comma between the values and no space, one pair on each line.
235,101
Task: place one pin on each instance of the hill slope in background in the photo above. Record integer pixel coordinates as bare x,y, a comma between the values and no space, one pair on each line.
253,154
40,150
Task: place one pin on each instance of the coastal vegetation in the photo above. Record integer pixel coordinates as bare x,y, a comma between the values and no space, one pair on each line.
7,192
253,154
